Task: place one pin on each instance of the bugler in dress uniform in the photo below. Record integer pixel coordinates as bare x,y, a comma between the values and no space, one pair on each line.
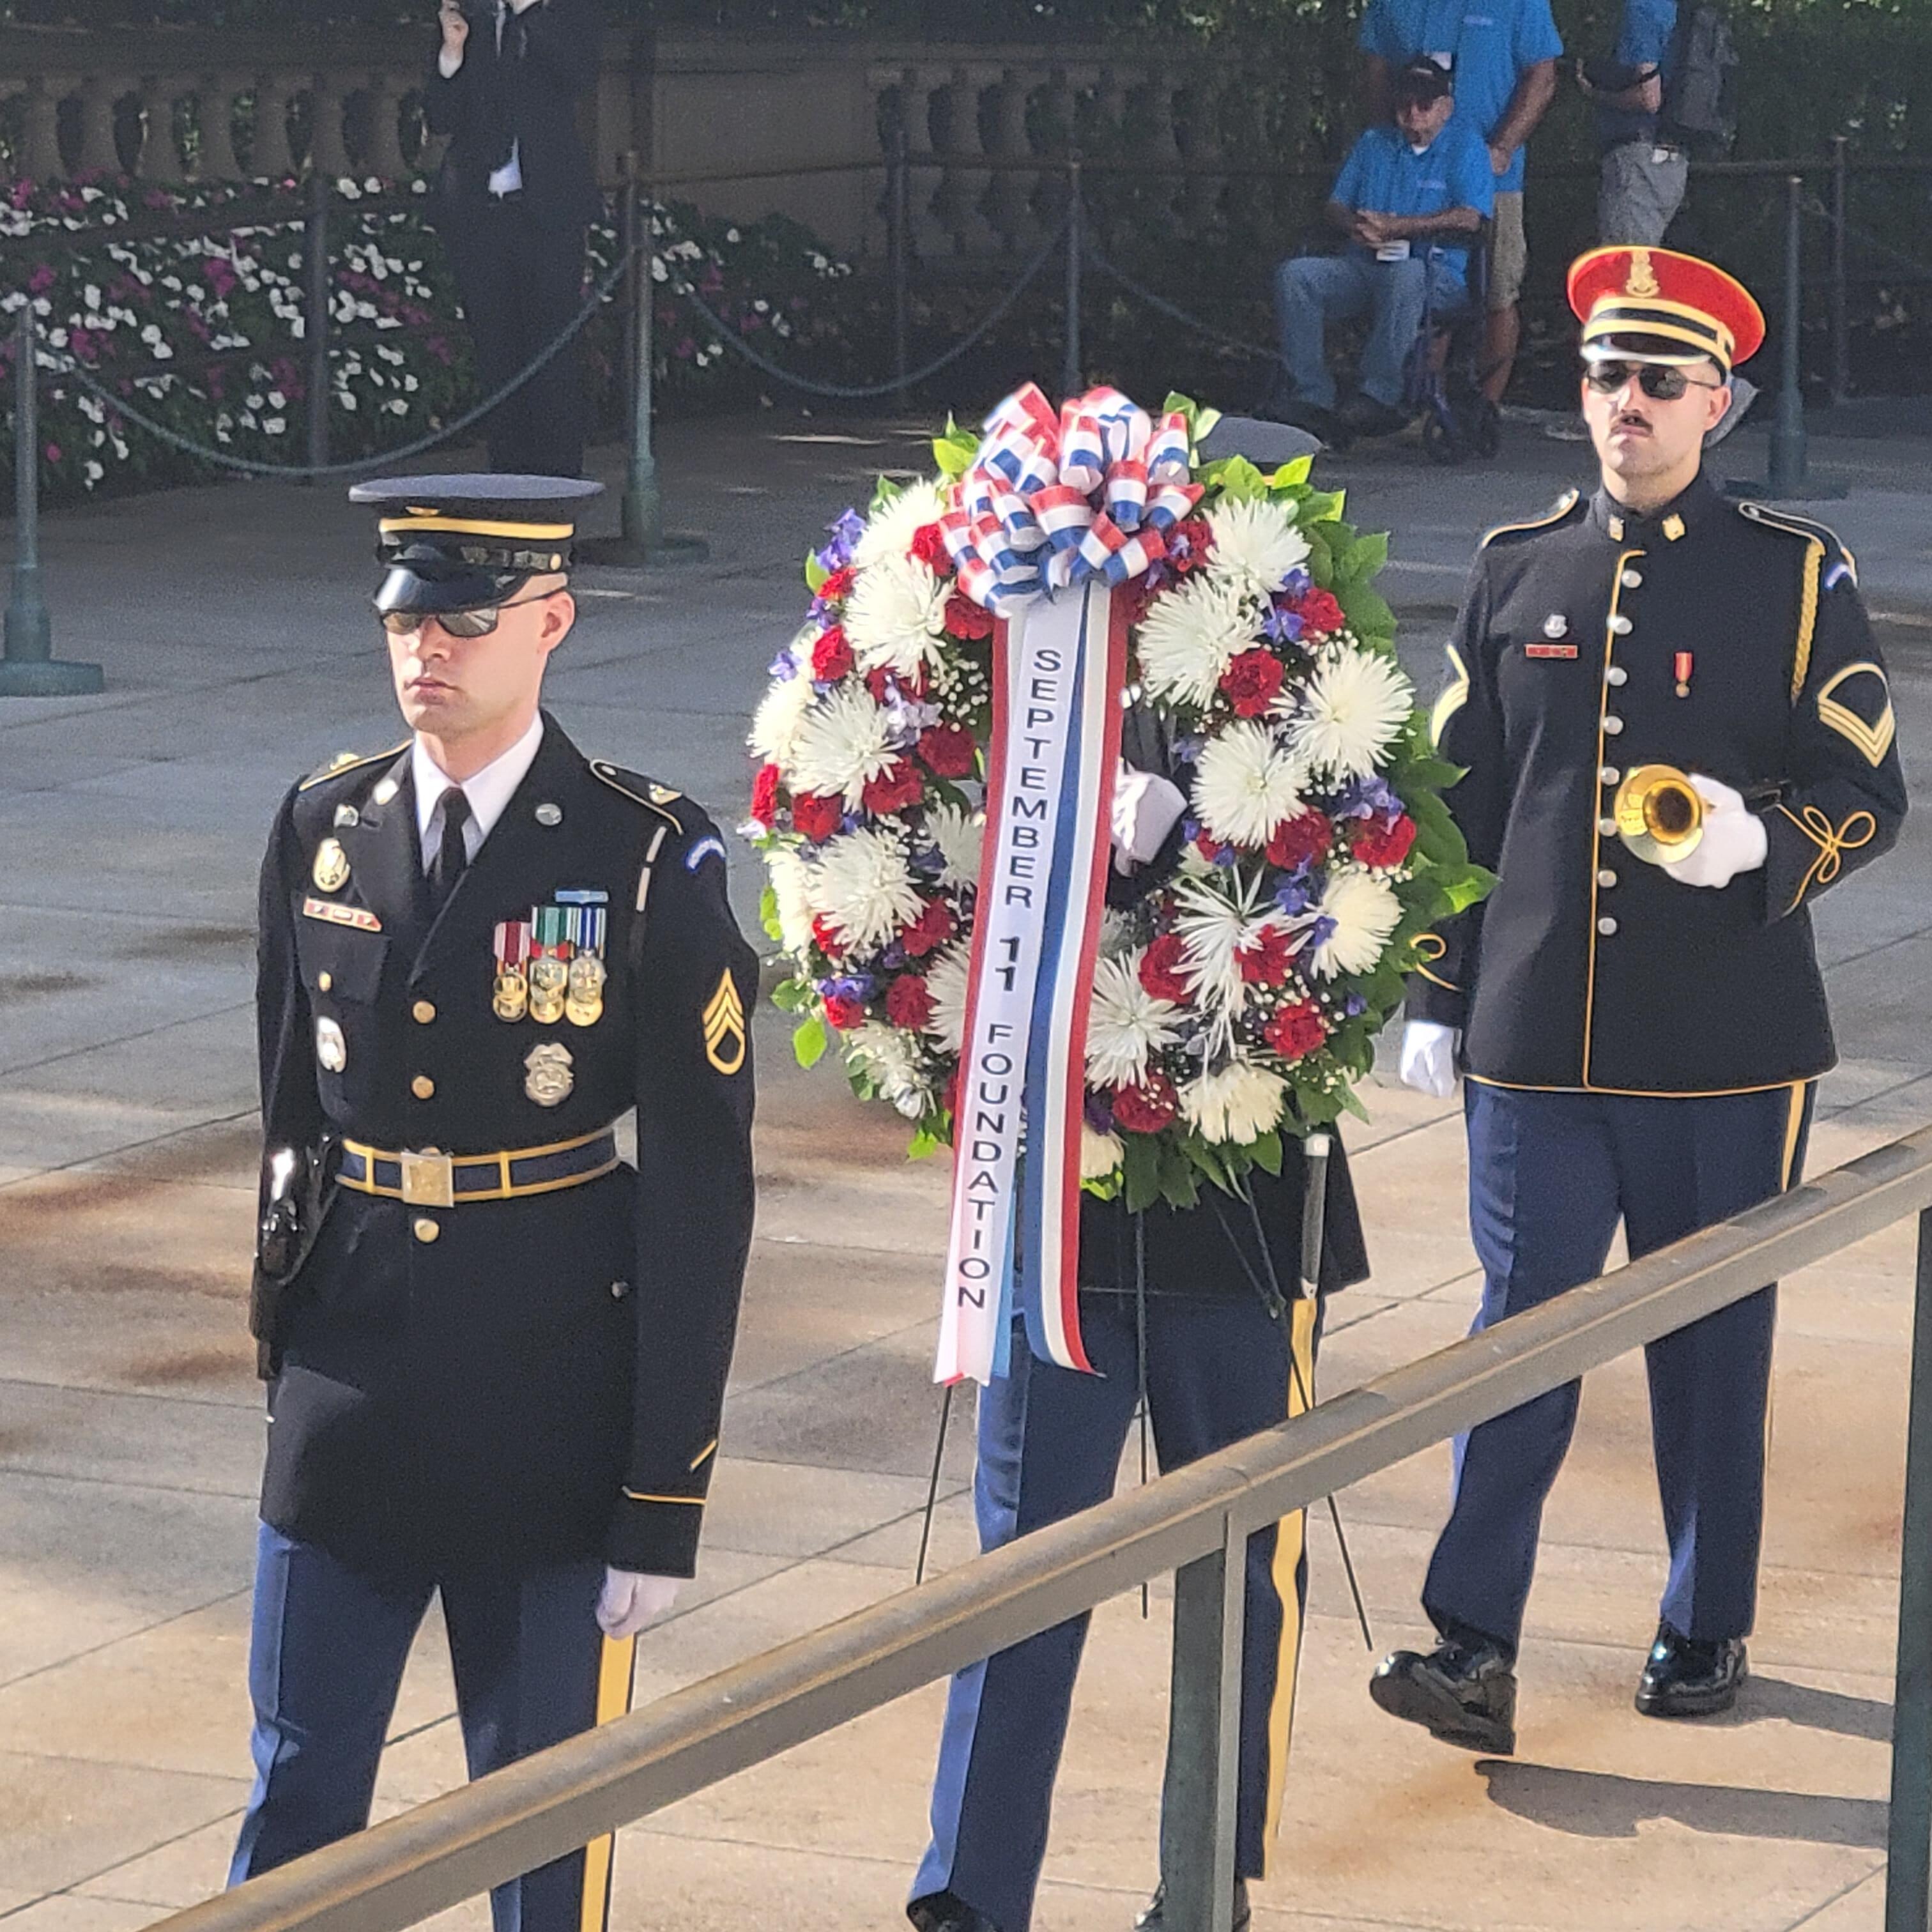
1641,1014
496,1352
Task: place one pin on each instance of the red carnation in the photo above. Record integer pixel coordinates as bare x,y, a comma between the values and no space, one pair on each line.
816,816
1319,611
894,788
1297,1030
831,655
947,750
1265,962
966,619
829,940
1187,548
1304,839
765,795
836,586
1208,846
909,1002
1139,595
1146,1108
929,546
932,928
1377,844
844,1012
1251,681
1160,968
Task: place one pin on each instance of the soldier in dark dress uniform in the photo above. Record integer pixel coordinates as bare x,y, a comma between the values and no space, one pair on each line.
1205,1310
1642,1041
496,1352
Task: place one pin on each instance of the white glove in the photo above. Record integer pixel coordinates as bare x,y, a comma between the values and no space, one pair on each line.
1428,1058
630,1601
1145,807
1734,840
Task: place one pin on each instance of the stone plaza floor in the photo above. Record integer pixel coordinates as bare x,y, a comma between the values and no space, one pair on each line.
239,654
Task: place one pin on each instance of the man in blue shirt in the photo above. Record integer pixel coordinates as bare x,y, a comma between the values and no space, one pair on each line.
1643,173
1503,55
1409,197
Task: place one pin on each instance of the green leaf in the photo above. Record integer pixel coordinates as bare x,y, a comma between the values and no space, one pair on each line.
1432,773
768,913
1366,555
1437,839
953,452
1266,1152
809,1043
1367,611
1293,474
1140,1172
1238,479
815,573
884,491
792,996
1467,887
1322,506
923,1145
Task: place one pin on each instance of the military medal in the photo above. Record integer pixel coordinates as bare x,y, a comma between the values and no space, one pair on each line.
547,1077
550,971
1682,668
584,1006
510,998
331,871
331,1050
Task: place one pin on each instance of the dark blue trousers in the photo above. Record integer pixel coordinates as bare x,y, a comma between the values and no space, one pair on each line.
1050,1444
325,1661
1550,1175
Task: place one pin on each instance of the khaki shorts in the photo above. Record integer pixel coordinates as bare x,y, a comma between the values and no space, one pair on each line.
1509,252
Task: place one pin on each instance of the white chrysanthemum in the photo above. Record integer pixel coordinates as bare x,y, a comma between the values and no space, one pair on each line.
946,981
840,745
895,615
1255,544
1235,1104
1366,911
1189,636
1215,926
1247,782
1126,1024
958,834
791,888
863,885
774,724
889,532
1100,1154
891,1059
1356,703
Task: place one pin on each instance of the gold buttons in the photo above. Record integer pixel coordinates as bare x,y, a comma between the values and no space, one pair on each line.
1607,927
1616,674
425,1229
423,1086
422,1013
1607,878
323,981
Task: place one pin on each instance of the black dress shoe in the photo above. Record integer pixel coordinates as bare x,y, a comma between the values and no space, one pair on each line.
1461,1692
1155,1919
941,1912
1362,415
1684,1679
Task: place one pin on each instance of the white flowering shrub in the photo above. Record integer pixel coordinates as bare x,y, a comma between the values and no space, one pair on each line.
1239,996
190,303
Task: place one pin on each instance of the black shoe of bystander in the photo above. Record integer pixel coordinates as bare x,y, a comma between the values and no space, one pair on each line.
1463,1692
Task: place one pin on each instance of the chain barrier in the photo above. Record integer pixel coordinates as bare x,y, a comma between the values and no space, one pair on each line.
1162,306
849,391
67,367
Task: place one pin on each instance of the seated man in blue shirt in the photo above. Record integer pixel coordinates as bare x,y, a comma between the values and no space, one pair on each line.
1409,197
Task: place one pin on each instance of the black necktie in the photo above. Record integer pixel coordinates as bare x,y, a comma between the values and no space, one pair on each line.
452,856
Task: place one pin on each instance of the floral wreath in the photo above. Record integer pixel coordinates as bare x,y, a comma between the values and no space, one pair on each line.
1238,999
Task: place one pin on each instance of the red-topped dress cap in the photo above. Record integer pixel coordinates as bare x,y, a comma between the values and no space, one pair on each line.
1691,305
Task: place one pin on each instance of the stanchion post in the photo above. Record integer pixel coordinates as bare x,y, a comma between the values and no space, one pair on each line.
1841,340
29,669
1908,1878
642,539
1787,434
316,279
1069,374
899,227
1197,1824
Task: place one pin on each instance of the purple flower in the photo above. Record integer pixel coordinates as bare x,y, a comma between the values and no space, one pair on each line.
893,957
1297,583
1281,625
1320,933
1099,1115
1298,890
1368,797
1354,1006
848,986
783,667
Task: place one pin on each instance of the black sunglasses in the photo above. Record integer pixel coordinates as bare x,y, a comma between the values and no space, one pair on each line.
1661,382
478,623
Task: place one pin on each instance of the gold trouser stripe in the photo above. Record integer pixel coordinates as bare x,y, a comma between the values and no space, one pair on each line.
614,1699
1787,1173
1290,1546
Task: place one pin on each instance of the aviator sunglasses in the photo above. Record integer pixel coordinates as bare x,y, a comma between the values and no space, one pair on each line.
479,623
1661,382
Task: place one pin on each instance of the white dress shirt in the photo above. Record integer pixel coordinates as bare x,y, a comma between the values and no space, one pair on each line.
488,792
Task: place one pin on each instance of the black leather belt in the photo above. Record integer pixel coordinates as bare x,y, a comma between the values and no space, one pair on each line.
433,1180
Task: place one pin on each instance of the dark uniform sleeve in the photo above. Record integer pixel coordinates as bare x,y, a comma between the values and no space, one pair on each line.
291,1103
1467,727
698,981
563,46
1844,795
447,100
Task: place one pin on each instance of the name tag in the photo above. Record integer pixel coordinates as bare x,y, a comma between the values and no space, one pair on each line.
1392,251
336,914
1550,650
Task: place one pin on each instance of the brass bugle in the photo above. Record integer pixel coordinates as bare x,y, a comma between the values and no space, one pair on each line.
1660,814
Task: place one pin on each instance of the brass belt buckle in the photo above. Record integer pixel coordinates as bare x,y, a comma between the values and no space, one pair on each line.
429,1180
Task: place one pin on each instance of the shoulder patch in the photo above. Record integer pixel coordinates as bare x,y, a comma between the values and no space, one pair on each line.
1554,515
655,799
344,762
711,848
1856,703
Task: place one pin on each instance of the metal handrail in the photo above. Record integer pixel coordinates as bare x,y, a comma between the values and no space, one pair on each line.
1196,1521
